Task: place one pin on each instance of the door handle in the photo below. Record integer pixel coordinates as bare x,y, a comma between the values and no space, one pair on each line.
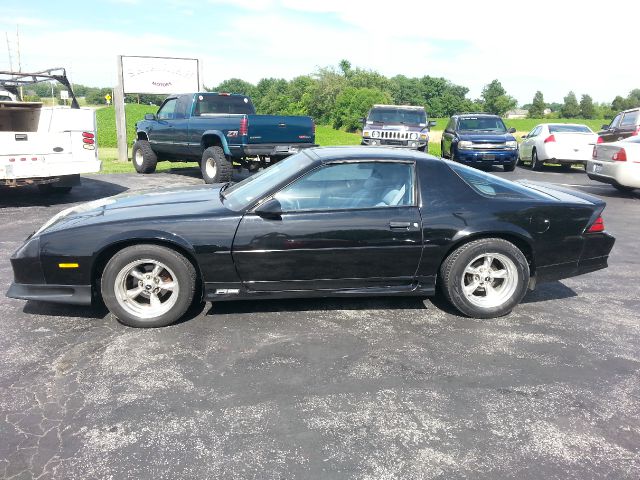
402,225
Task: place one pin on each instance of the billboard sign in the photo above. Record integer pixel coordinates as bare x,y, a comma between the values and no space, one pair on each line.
160,75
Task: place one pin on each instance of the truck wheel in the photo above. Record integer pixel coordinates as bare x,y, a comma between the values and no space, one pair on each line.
215,166
144,158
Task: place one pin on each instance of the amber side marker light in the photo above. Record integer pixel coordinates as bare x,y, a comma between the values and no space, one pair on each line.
68,265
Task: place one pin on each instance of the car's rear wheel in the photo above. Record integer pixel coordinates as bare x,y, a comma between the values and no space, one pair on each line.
622,188
536,164
215,166
485,278
144,158
148,286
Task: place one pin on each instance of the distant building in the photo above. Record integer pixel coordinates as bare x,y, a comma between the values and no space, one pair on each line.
546,111
517,113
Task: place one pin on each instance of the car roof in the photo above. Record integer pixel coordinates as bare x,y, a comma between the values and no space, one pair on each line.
405,107
329,154
475,115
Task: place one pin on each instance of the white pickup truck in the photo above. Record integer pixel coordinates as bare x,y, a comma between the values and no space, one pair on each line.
46,146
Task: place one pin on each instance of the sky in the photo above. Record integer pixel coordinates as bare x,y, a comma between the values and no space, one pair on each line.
552,46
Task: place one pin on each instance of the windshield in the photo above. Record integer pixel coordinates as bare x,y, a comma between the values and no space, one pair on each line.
244,193
212,104
485,124
397,115
569,129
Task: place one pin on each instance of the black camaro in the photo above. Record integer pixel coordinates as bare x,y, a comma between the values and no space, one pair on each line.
336,221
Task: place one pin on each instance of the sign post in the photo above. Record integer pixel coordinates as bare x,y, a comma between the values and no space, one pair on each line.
151,75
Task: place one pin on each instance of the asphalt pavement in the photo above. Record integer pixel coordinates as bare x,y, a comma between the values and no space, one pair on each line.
386,388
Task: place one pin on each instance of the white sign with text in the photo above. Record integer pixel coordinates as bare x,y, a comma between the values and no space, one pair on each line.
160,75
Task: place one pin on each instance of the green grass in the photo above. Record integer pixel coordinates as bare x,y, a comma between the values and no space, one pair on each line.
527,124
106,121
327,136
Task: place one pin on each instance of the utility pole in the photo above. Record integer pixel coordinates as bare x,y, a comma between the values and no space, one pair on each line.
9,50
19,60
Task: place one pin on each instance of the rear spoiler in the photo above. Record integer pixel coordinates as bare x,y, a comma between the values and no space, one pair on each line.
563,193
12,81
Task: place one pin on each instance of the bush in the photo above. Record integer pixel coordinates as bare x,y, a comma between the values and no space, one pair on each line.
353,103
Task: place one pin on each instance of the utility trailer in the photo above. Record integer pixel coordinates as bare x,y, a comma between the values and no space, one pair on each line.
45,146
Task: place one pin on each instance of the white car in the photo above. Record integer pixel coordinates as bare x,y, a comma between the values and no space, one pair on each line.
617,163
563,143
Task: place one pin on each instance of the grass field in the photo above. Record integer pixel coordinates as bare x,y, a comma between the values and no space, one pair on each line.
325,135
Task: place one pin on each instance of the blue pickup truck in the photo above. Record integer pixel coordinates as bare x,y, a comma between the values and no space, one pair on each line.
217,129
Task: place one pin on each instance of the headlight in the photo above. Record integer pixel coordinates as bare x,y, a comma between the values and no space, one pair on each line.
512,144
366,133
464,144
423,136
414,136
375,134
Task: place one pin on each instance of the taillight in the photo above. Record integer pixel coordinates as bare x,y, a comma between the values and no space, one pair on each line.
597,226
600,140
550,138
244,126
620,156
637,131
88,138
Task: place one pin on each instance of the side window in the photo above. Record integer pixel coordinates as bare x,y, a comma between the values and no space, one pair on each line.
351,185
630,119
616,121
451,125
181,107
167,111
535,132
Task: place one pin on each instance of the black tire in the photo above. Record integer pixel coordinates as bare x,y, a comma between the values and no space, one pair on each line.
622,188
144,158
214,166
178,265
452,156
442,150
536,164
51,189
510,167
452,276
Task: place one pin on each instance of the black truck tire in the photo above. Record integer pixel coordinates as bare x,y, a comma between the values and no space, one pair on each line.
144,158
215,166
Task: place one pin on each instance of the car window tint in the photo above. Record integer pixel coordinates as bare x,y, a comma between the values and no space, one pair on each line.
569,129
214,104
491,186
629,119
488,124
167,112
615,121
350,186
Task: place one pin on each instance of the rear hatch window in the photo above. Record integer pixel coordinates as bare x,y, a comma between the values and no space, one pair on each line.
569,129
214,104
491,186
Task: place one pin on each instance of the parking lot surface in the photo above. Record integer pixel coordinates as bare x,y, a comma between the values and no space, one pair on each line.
319,389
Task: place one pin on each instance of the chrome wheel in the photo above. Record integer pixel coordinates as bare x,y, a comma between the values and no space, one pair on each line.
146,288
211,167
489,280
138,158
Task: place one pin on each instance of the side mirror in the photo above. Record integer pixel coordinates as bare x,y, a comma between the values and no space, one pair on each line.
431,124
270,209
150,116
362,119
605,127
512,130
525,136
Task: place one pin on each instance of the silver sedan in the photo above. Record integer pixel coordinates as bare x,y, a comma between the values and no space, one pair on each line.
617,163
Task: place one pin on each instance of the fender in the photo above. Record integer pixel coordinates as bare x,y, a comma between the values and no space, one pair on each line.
221,137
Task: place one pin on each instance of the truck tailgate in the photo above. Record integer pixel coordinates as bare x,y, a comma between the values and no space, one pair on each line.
280,129
34,143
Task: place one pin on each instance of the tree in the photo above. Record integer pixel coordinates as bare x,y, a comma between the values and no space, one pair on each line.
236,85
633,100
570,109
618,104
496,100
354,103
537,106
587,109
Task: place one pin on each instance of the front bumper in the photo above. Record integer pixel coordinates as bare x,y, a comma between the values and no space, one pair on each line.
487,157
72,294
383,142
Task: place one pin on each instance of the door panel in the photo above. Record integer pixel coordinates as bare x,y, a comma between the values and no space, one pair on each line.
329,249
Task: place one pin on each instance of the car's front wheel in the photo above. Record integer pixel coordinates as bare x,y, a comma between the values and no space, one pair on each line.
144,158
148,285
510,167
485,278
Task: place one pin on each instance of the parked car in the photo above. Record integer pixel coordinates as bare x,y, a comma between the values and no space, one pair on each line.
403,126
45,146
217,129
617,163
480,140
625,124
563,143
340,221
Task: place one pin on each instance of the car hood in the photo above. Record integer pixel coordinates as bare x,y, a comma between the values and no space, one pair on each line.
179,201
485,137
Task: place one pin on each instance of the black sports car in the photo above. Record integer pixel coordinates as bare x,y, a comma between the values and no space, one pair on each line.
336,221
